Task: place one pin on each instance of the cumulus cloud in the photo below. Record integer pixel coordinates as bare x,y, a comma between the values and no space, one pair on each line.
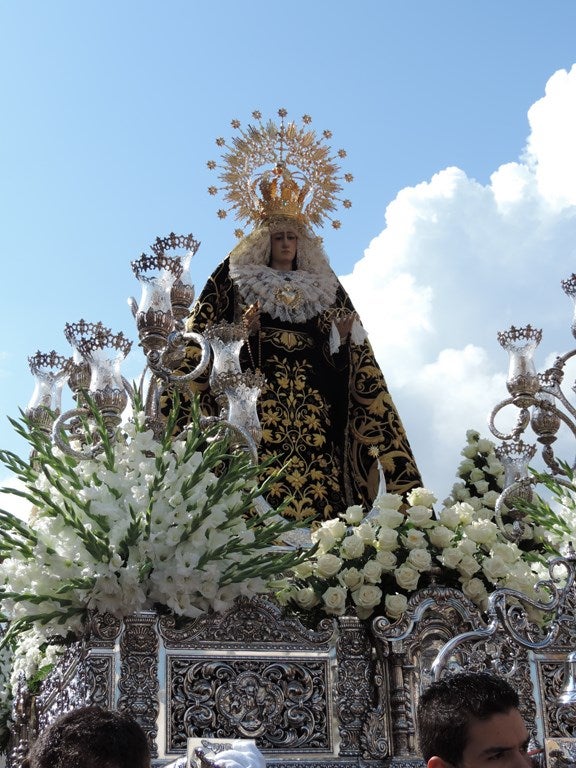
11,502
458,261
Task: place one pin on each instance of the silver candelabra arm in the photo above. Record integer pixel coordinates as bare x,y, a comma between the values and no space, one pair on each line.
162,362
71,423
507,611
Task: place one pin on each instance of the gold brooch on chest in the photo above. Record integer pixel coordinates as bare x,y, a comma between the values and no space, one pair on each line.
288,295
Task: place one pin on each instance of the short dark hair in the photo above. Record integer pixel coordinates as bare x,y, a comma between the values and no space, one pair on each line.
91,737
448,705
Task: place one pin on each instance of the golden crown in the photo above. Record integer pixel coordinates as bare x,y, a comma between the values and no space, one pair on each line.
280,170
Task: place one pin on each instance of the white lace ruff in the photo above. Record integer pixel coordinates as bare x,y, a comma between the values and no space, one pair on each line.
295,296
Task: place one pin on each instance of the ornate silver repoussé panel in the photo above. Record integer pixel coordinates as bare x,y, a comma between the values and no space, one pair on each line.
343,693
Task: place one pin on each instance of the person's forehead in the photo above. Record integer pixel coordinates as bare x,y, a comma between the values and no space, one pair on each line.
284,230
502,731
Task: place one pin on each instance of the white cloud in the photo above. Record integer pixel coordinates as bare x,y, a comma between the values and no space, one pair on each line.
459,261
12,503
550,147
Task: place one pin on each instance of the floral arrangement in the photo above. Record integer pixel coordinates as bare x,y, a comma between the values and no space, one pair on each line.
374,563
157,521
147,521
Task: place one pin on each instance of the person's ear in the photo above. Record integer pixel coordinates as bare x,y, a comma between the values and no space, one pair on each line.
437,762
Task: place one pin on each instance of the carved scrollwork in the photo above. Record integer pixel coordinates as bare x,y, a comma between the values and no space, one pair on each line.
255,622
283,705
103,629
139,684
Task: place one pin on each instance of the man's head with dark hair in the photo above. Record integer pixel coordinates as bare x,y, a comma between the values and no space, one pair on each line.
91,737
469,720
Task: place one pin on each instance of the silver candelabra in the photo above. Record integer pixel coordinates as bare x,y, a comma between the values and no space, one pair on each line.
93,372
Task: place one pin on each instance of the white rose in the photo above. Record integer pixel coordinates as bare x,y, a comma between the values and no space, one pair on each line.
482,531
407,577
468,547
329,533
468,566
490,498
367,596
421,497
475,502
372,571
324,538
495,568
482,486
390,518
485,446
304,570
367,532
395,605
387,560
420,559
465,511
353,515
465,467
306,598
508,552
327,565
482,512
451,557
388,501
469,451
351,578
440,536
414,539
476,474
474,589
420,516
335,600
352,547
450,517
387,539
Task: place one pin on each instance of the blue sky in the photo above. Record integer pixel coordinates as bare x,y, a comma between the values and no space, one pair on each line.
110,111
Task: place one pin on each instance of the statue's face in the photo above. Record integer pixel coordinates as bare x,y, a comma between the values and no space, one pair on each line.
284,243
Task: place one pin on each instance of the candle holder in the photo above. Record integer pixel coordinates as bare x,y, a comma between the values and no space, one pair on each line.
50,371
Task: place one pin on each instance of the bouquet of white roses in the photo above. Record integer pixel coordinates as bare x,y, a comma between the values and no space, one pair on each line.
374,562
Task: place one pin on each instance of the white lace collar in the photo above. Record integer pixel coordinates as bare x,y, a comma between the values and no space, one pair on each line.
294,296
